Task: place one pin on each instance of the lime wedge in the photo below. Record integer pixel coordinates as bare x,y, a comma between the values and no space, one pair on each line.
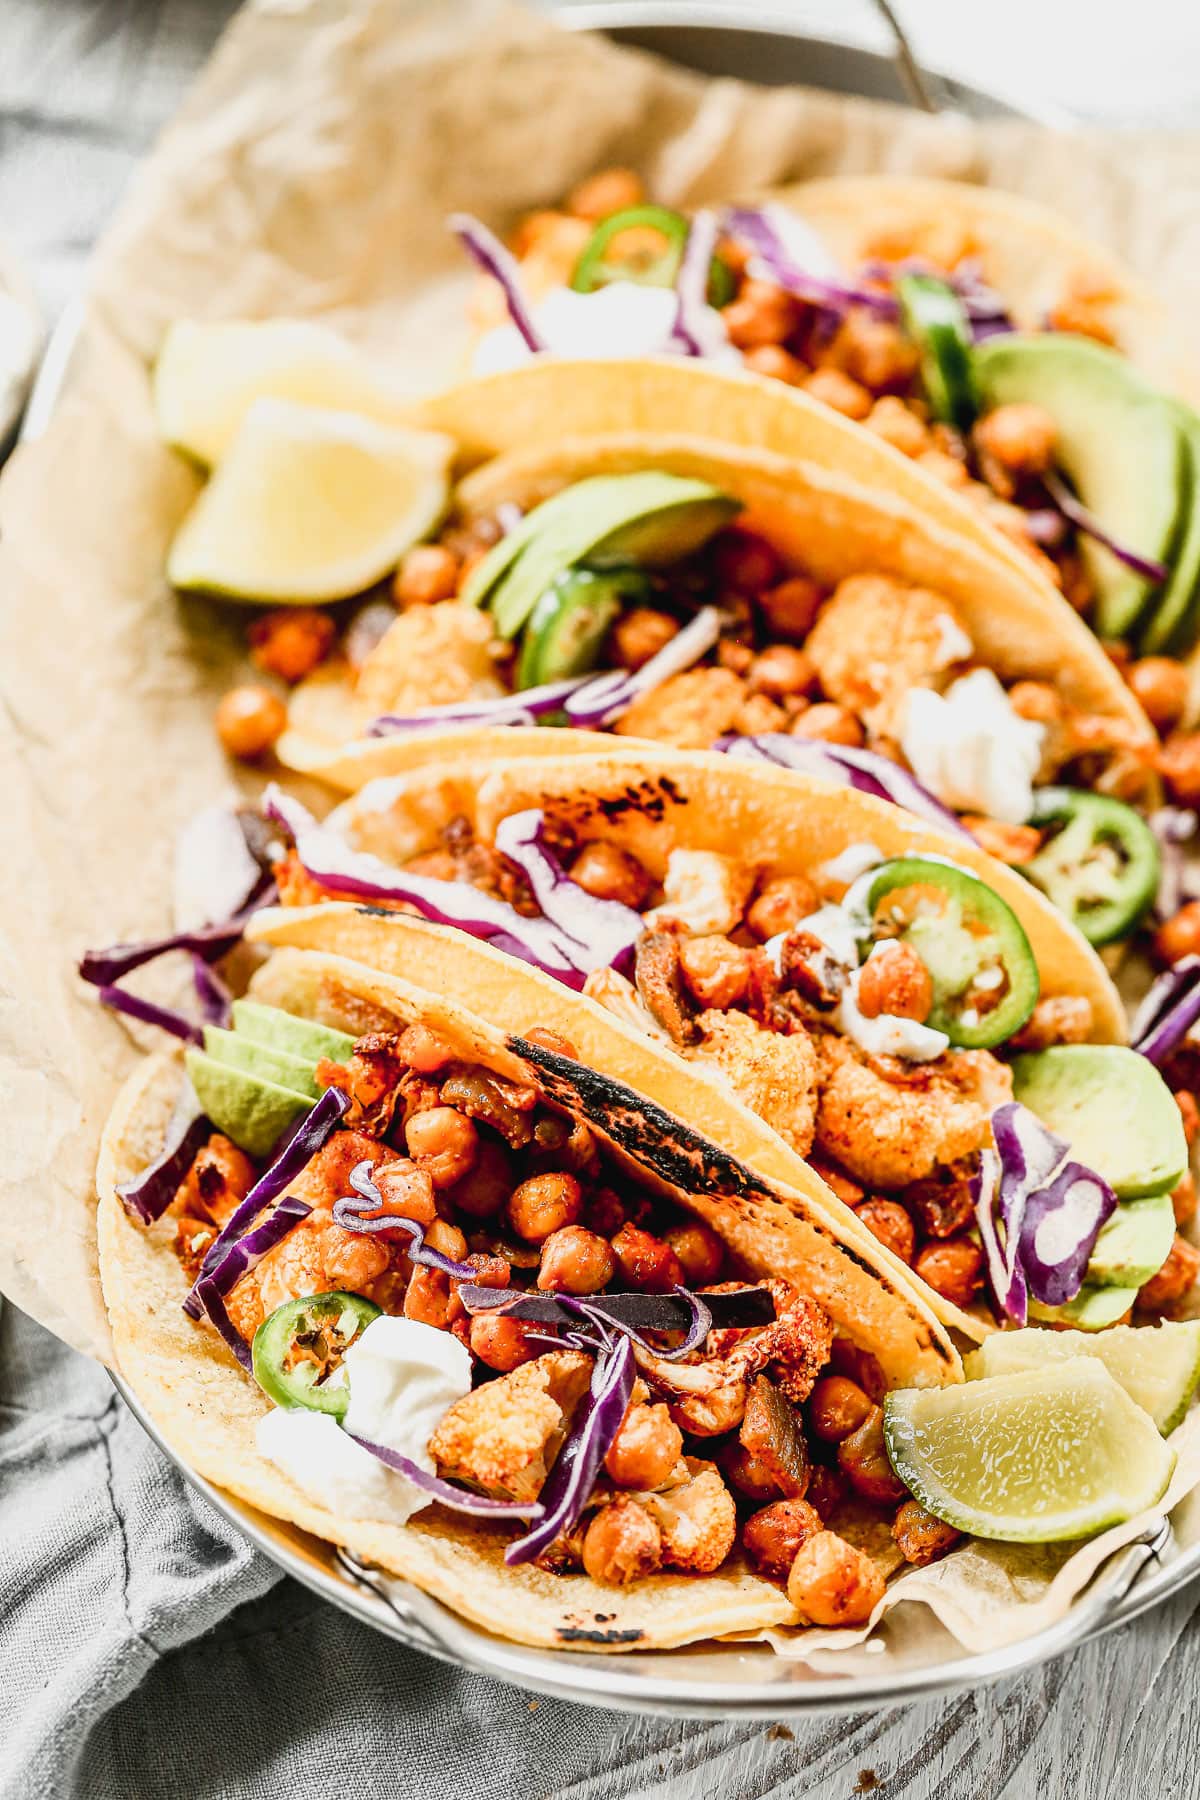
1031,1458
208,376
1157,1365
310,505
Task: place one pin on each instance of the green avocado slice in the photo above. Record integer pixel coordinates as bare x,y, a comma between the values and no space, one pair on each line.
1174,623
1092,1309
283,1031
1134,1244
1113,1108
1121,443
253,1112
295,1072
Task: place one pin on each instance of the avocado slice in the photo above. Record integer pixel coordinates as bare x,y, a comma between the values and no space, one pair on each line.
1113,1108
295,1072
1174,623
254,1112
1134,1244
283,1031
1092,1309
649,517
1121,443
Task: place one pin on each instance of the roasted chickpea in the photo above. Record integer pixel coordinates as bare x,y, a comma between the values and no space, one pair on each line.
944,468
482,1191
1020,436
423,1050
894,980
1012,844
836,1407
831,724
839,391
863,1460
780,904
782,670
444,1141
645,1261
1087,314
646,1448
1175,1279
846,1358
758,715
427,1298
640,634
889,1222
622,1544
833,1583
1038,701
429,573
1160,684
1058,1019
898,426
407,1190
874,352
716,972
353,1261
826,1490
1179,936
503,1343
744,561
748,1475
543,1204
1183,1199
773,1535
291,641
776,362
700,1252
789,609
612,874
575,1261
954,1269
1179,766
606,192
763,313
604,1211
250,721
1189,1112
921,1537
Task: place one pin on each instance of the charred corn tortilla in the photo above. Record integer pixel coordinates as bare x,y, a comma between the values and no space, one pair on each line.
208,1411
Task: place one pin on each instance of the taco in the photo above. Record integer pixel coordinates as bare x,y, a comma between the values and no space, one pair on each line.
500,1323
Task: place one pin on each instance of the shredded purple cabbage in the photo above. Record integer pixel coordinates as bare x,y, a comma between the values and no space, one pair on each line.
602,933
864,770
147,1196
755,227
692,324
1059,1230
497,262
243,1256
1084,521
1173,826
526,707
216,1001
602,700
457,1499
365,1215
1168,1012
148,1012
634,1311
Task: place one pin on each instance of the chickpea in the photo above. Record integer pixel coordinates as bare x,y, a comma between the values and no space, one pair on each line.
503,1343
1012,844
773,1535
543,1204
758,715
836,1407
1020,436
898,426
646,1448
700,1252
427,1298
575,1261
604,1212
645,1261
551,234
744,561
831,724
1058,1019
875,353
889,1222
250,721
922,1538
776,362
954,1270
640,634
622,1544
606,192
894,980
1183,1199
826,1490
840,392
429,573
423,1050
1179,936
763,313
943,468
749,1475
863,1460
1179,766
734,656
789,609
716,972
1189,1112
1087,315
407,1190
353,1261
782,670
291,641
1160,684
833,1583
780,905
482,1191
443,1141
847,1359
612,874
1174,1279
1038,701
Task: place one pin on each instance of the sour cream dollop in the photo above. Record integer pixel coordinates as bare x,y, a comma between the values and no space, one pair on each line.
971,750
623,318
403,1377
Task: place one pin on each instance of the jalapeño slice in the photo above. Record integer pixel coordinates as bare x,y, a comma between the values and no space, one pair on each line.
566,631
298,1349
1100,865
935,321
985,978
652,265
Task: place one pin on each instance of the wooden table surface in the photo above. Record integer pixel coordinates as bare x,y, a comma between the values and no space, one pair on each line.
84,85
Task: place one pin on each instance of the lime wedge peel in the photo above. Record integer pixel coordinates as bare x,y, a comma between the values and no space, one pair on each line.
1042,1456
1157,1365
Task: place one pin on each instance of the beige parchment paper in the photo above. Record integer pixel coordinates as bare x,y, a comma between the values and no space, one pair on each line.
309,174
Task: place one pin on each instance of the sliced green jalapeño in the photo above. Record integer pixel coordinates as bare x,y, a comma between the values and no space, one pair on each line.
1100,863
649,267
567,628
985,978
298,1350
933,317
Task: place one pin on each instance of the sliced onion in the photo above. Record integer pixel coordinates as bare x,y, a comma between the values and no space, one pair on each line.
366,1216
569,1485
249,1250
605,931
496,261
757,228
1168,1012
1059,1230
525,707
1086,522
603,699
864,770
460,1500
692,323
1173,826
147,1196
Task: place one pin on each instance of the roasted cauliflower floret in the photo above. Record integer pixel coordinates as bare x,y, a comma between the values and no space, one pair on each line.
429,657
887,1132
697,1519
704,892
877,639
504,1436
690,711
709,1397
775,1076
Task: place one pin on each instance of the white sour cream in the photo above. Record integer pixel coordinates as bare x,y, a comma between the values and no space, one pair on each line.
850,863
403,1377
971,750
623,318
887,1035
